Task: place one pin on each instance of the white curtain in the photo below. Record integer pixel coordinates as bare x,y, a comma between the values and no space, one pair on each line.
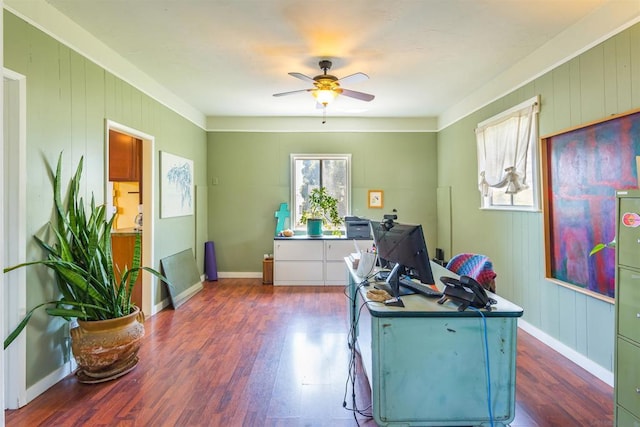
503,145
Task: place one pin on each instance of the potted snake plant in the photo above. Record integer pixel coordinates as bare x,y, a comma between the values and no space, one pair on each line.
89,288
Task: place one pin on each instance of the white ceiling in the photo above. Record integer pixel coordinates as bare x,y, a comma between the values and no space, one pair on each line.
227,57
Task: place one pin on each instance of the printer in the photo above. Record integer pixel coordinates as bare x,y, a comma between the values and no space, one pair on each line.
357,228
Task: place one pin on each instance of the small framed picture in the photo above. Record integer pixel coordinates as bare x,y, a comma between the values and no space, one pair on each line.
375,199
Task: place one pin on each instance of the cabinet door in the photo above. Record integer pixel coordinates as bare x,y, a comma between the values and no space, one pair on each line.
124,157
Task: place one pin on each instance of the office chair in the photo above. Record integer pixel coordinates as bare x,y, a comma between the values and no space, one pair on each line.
476,266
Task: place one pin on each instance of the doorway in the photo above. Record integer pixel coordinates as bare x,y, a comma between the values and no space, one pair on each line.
146,187
15,234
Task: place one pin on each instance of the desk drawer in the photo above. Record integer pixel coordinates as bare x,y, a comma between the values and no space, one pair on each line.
628,300
336,250
298,273
298,250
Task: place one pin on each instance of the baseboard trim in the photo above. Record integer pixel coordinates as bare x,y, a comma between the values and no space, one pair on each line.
50,380
578,358
240,275
160,306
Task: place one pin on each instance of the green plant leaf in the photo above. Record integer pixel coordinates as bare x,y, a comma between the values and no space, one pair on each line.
597,248
23,323
600,246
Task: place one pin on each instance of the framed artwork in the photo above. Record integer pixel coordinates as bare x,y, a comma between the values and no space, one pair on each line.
582,169
375,199
176,186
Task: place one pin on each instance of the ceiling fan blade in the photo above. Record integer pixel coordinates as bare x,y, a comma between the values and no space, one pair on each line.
354,78
302,77
292,92
358,95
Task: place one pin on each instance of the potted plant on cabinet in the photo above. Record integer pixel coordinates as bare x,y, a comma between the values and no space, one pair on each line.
110,327
322,210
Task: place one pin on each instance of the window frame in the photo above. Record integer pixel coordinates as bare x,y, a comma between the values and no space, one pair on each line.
293,183
486,202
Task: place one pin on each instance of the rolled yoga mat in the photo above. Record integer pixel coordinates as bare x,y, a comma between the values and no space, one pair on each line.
210,266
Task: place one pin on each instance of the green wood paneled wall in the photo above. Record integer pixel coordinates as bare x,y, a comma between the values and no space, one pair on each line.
252,172
68,100
602,81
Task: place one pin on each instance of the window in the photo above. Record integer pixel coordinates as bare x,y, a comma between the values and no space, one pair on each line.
309,171
508,158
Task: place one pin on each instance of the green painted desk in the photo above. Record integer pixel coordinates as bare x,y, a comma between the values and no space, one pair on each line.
426,362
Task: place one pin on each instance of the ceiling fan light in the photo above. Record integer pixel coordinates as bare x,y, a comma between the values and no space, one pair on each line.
324,96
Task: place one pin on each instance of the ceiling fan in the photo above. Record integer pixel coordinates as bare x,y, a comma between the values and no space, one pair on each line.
327,87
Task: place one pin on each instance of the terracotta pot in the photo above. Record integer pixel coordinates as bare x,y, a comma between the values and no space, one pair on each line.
107,349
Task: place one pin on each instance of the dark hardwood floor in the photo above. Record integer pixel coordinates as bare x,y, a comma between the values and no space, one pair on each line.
240,353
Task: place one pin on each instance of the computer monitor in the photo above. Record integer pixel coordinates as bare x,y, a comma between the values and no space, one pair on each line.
403,248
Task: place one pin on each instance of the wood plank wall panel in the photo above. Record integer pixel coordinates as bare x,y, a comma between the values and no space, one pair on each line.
68,100
592,83
94,124
581,331
443,195
634,60
568,327
562,101
574,83
610,71
597,83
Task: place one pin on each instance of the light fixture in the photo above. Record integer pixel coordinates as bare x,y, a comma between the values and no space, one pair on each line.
324,96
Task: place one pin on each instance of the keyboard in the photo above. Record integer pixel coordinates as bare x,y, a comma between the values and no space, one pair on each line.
419,287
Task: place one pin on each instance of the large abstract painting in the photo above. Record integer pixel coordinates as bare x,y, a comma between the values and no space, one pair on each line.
582,170
176,186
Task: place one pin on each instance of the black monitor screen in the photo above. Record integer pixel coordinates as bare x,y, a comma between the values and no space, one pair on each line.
403,245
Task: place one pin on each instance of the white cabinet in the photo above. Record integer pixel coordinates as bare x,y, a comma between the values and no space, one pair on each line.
312,261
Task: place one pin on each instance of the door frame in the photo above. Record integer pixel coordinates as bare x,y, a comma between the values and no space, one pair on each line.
15,213
148,213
